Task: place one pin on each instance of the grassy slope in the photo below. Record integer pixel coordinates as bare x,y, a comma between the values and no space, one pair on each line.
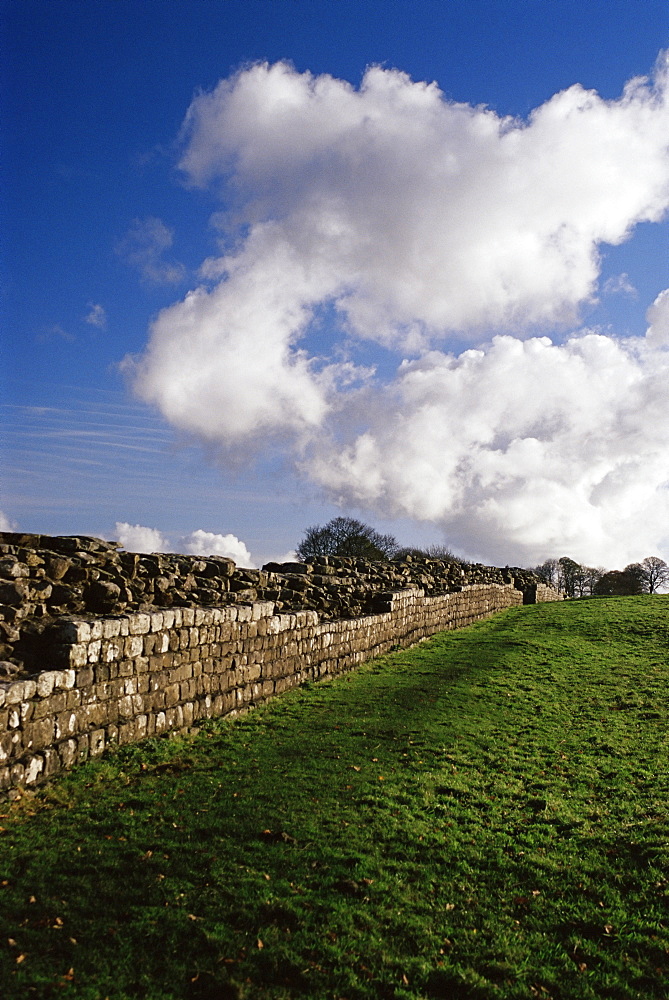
484,816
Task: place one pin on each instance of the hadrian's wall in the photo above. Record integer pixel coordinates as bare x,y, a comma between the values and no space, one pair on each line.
122,664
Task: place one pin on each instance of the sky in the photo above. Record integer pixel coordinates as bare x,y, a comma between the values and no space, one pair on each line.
267,262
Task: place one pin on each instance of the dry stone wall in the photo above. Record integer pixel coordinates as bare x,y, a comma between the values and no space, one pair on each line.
99,646
118,679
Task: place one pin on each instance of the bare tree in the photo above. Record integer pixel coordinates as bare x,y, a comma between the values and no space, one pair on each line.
548,573
345,536
654,573
569,576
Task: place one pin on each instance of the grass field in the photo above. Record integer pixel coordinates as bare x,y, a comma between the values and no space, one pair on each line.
484,816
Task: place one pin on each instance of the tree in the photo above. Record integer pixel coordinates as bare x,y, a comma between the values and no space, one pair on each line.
591,576
346,536
548,573
435,551
569,576
620,583
655,574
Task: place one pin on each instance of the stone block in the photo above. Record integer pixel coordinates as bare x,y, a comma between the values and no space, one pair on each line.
111,628
9,747
38,735
75,631
77,655
157,621
85,677
134,645
139,624
33,769
17,775
66,724
68,753
52,763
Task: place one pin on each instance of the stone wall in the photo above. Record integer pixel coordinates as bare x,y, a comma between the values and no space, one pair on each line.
43,578
100,646
119,678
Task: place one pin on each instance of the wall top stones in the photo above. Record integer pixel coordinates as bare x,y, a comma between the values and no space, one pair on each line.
45,581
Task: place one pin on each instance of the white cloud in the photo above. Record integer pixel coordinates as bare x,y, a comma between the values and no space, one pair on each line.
414,219
138,538
620,284
206,543
657,333
48,333
96,316
143,247
519,451
422,216
6,523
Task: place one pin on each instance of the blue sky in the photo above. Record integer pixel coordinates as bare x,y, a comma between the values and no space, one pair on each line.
368,382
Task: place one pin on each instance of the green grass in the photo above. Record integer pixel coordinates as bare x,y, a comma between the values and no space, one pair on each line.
484,816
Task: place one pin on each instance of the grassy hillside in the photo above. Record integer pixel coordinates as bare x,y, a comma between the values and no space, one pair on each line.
484,816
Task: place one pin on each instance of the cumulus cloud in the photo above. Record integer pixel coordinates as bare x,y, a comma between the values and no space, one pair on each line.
657,333
519,451
138,538
6,523
421,216
144,246
206,543
96,316
412,220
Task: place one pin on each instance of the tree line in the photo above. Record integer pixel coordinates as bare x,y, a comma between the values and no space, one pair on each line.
346,536
574,580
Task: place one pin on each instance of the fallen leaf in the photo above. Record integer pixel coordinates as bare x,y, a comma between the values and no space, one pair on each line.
260,944
20,958
404,979
355,767
11,942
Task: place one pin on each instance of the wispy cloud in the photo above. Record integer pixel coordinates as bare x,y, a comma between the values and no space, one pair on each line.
620,284
418,221
144,247
55,332
96,316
